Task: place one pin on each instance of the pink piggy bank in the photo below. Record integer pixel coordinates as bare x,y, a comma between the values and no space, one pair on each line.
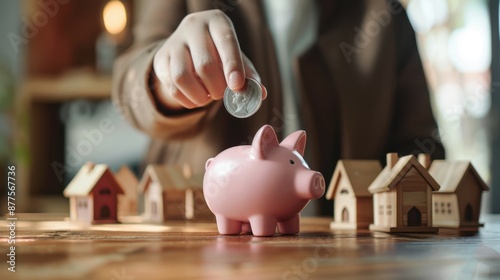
254,188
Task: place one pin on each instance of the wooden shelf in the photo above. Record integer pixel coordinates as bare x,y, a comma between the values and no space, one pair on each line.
74,85
42,97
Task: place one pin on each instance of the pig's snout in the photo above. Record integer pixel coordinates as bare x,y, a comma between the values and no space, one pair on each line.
317,185
310,185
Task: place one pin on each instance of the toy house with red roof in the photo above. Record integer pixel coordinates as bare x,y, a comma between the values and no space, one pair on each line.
93,195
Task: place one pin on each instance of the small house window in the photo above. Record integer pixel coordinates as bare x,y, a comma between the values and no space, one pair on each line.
344,191
381,210
104,191
82,204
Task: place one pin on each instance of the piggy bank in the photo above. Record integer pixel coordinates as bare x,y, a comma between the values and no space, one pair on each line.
256,188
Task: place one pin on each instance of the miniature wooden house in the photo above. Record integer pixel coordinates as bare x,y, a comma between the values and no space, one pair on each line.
171,193
457,204
127,202
402,196
353,207
196,206
93,195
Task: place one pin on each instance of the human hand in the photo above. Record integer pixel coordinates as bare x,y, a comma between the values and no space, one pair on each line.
199,60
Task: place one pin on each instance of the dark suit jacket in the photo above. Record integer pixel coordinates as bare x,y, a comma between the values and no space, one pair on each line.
363,88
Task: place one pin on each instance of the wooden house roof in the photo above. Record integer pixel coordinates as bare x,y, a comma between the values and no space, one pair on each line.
449,174
168,176
128,181
390,177
86,179
360,174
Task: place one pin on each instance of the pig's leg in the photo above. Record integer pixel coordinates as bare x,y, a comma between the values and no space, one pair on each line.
263,225
246,228
290,226
227,226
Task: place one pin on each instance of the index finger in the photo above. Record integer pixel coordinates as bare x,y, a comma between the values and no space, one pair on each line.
226,42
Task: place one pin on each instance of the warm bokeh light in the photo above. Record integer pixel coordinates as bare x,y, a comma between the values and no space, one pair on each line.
470,43
454,38
115,17
469,49
425,14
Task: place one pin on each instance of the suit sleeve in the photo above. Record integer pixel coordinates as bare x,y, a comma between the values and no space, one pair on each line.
414,129
133,92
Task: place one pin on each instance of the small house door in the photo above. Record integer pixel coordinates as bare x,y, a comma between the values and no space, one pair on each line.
414,217
154,209
468,213
105,212
345,215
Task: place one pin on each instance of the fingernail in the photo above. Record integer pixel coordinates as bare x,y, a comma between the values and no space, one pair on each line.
264,92
236,80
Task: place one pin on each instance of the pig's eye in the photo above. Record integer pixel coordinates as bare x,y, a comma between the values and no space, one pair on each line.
291,162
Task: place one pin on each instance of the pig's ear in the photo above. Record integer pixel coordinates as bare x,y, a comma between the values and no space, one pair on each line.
265,140
296,142
209,161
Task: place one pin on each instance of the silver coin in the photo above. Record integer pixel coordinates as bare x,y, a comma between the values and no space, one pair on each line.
244,103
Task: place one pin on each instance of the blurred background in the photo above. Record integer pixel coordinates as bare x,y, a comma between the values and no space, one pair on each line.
56,114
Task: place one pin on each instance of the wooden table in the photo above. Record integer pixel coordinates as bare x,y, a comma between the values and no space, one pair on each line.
48,247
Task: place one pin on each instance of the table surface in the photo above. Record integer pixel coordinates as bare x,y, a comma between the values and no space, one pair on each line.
48,247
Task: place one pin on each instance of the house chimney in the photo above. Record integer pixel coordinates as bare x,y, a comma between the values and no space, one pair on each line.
424,160
392,158
187,171
90,165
